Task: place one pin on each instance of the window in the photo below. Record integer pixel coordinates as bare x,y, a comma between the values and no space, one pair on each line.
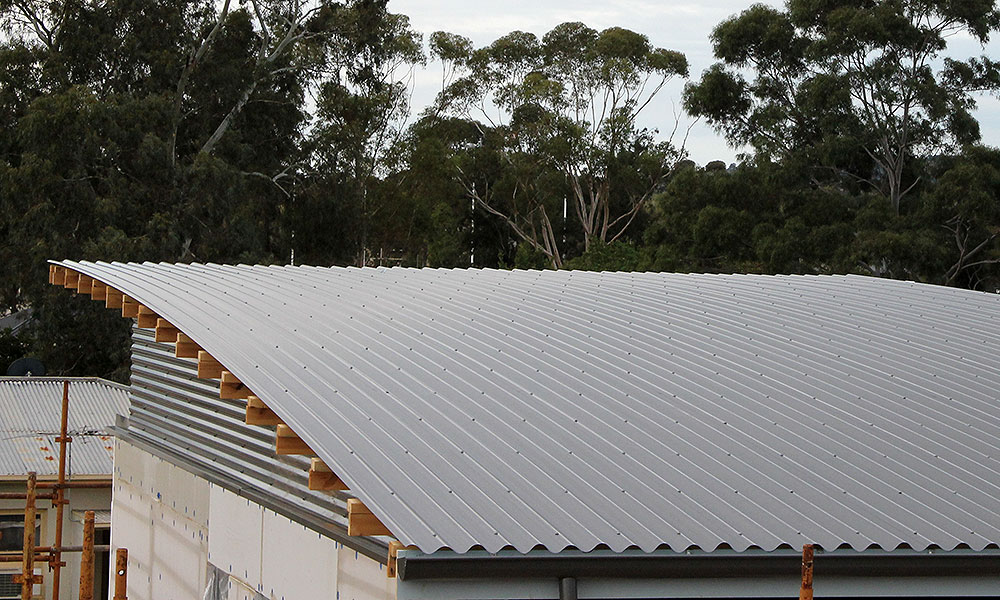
12,591
102,564
12,542
12,532
9,589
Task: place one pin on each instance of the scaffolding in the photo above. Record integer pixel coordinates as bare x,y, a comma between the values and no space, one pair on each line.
52,555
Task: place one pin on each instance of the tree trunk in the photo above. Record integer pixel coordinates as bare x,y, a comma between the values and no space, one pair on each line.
186,74
228,121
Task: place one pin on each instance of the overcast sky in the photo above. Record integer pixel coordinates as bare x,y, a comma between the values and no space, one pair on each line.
681,25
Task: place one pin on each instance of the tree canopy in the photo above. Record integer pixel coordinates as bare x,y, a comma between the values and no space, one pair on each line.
277,131
560,114
861,88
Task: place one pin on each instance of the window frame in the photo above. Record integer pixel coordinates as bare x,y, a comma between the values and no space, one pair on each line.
40,525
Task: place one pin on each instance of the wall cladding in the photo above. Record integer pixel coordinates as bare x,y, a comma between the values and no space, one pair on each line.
177,416
160,514
191,540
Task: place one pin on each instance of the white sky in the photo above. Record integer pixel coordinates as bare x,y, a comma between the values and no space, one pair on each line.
683,26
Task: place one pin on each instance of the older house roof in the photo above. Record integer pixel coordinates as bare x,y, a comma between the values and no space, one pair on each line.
30,415
481,408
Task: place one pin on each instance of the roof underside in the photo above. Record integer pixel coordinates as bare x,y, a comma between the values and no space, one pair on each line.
30,415
522,408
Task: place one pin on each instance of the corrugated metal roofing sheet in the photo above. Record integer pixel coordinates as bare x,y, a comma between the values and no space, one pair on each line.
30,414
521,408
181,418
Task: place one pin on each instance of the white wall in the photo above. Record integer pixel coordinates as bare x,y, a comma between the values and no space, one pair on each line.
276,557
160,514
174,523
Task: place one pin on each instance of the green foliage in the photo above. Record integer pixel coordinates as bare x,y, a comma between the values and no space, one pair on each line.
258,131
529,257
616,256
966,201
560,114
12,347
74,335
758,218
857,89
174,131
768,218
361,112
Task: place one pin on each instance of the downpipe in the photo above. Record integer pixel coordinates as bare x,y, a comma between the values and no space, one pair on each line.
567,588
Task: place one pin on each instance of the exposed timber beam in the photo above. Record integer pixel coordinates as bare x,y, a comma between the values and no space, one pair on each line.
98,291
130,308
72,280
85,285
288,442
259,414
165,332
208,367
361,521
113,298
322,478
186,347
231,388
146,318
394,547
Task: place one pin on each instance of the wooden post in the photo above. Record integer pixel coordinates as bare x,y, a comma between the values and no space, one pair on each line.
28,561
60,499
394,547
121,574
87,559
806,591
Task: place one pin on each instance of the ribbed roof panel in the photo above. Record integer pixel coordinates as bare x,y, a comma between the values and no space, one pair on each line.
30,415
524,408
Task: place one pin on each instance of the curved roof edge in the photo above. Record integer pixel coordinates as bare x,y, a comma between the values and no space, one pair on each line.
232,324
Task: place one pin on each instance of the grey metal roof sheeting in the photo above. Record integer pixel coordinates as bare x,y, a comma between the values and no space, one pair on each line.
523,408
30,415
180,418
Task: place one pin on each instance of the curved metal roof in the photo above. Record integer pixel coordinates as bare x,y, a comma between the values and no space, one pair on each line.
522,408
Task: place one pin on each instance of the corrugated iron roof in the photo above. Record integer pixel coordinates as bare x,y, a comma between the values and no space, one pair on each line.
522,408
30,414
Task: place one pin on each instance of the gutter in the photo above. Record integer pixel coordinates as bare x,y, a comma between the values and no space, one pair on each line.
667,564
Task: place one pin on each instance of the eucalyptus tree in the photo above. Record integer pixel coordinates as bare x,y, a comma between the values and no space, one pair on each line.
864,88
562,112
362,103
171,130
963,210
